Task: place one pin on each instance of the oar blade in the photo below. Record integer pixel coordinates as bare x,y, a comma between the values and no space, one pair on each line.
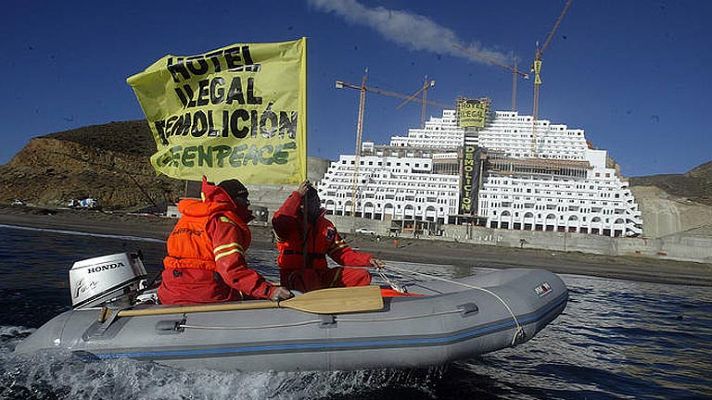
337,300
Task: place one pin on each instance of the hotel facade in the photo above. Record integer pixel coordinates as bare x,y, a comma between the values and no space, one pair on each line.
513,173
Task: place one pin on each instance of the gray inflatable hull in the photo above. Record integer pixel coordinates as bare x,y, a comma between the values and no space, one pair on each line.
449,323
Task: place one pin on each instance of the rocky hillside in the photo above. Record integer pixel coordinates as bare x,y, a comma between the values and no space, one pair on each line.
695,185
107,162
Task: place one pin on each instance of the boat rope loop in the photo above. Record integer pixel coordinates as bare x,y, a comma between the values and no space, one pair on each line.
517,333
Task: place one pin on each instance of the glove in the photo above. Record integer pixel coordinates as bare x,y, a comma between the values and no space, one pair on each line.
377,263
279,293
302,189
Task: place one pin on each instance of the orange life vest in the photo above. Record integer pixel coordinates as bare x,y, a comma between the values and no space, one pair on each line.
319,242
189,245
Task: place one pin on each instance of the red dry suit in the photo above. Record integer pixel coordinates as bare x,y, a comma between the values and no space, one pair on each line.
322,239
206,253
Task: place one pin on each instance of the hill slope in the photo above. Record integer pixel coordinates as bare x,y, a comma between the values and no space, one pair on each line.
108,162
695,185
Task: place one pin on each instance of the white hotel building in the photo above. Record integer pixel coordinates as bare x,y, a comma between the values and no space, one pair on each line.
552,183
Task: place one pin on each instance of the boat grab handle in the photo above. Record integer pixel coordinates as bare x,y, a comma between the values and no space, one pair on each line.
169,327
468,308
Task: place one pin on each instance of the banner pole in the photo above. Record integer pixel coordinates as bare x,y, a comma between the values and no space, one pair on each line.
305,171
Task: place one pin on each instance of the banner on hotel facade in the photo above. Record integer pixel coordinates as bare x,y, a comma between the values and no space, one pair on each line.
238,112
472,113
467,180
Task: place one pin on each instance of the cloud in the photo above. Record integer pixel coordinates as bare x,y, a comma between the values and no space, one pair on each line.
413,31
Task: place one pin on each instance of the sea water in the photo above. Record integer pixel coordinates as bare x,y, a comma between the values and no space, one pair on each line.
616,339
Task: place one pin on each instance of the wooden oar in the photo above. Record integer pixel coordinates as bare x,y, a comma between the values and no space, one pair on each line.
325,301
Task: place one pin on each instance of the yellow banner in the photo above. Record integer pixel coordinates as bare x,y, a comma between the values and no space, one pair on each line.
238,112
537,66
472,113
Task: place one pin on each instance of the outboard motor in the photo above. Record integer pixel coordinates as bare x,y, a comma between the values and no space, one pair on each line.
99,280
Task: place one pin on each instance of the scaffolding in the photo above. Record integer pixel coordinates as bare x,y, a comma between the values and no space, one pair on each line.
537,166
415,228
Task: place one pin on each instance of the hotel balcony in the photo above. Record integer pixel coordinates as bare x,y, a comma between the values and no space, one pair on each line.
634,213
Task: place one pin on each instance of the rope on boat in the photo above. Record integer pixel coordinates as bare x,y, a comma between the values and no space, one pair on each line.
458,311
398,288
238,328
341,319
519,331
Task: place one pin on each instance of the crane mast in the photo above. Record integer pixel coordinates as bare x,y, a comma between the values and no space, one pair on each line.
359,139
427,84
536,68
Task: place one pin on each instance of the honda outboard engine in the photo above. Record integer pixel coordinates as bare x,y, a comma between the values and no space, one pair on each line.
98,280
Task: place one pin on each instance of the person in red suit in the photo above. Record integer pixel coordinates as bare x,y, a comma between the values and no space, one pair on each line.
321,240
206,251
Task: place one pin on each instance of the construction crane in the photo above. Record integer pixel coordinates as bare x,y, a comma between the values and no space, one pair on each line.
536,68
359,136
514,69
362,101
427,84
359,123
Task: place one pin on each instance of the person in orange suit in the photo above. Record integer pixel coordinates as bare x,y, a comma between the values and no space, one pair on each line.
321,240
206,251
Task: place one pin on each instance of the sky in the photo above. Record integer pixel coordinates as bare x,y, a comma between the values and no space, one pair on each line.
635,75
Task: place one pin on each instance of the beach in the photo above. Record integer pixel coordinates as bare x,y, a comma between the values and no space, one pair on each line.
639,268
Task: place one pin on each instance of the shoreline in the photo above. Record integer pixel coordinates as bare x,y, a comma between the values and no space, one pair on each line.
638,269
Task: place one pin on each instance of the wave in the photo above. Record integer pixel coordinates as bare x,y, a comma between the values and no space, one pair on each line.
62,375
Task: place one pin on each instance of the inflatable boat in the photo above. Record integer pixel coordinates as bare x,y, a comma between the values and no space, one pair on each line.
436,322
